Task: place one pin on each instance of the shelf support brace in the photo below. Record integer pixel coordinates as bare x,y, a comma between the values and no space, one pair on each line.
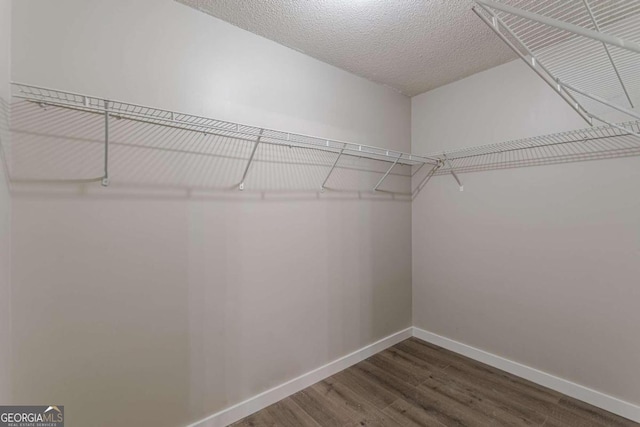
427,177
253,153
333,166
105,178
623,129
565,26
606,48
386,173
600,100
453,173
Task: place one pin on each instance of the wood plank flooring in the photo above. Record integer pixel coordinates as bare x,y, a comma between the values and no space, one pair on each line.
415,383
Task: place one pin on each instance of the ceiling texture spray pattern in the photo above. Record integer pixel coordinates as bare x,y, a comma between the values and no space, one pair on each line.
410,45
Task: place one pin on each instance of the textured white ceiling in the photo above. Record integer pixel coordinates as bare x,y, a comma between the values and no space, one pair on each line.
410,45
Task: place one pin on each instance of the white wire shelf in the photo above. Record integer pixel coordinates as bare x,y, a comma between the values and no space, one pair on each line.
592,143
587,50
189,122
35,123
258,136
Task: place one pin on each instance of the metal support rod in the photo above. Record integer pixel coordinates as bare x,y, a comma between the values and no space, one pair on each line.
535,63
600,100
386,174
623,129
567,97
105,178
332,168
606,48
575,29
426,179
253,153
455,176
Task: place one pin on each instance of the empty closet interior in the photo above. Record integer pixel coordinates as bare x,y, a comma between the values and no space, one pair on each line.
330,212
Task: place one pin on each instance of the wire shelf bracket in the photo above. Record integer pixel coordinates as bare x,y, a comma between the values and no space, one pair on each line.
386,174
453,172
333,166
253,153
105,179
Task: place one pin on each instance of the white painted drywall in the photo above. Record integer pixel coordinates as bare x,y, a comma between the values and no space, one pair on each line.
5,207
539,265
150,305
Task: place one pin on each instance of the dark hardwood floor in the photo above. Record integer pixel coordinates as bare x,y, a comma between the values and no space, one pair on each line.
418,384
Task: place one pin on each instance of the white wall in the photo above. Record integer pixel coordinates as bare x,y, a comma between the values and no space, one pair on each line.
539,265
158,304
5,207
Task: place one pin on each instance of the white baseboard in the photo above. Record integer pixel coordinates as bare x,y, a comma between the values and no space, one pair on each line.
577,391
240,410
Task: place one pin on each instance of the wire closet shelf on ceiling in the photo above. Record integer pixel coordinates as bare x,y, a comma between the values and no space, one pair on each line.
588,51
